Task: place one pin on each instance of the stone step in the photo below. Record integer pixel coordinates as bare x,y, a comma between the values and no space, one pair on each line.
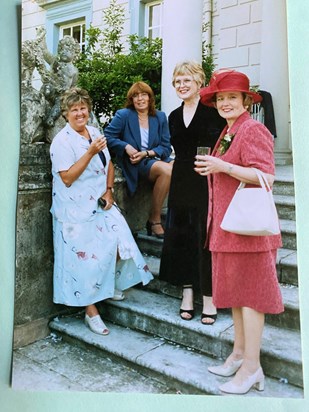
53,364
180,367
285,206
287,266
284,181
288,233
289,319
157,314
149,244
286,258
153,246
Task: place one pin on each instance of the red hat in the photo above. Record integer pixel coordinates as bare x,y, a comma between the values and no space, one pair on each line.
227,81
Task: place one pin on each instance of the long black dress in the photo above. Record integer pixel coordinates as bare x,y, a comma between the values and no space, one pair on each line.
184,260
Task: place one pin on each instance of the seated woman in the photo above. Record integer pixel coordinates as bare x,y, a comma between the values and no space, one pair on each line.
94,250
139,136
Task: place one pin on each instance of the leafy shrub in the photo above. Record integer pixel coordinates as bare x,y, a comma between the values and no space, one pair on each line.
111,63
107,71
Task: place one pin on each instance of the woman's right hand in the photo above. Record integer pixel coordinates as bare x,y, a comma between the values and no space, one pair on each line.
97,145
130,150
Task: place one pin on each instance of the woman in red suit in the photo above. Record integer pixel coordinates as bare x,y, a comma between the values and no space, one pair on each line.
244,267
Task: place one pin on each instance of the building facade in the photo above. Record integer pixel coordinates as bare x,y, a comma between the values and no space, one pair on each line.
248,35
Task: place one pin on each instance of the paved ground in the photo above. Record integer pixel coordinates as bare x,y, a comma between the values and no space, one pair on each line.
51,364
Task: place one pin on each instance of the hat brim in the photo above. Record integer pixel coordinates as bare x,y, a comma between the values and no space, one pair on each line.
207,94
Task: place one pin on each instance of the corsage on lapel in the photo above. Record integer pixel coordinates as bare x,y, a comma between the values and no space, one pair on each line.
225,143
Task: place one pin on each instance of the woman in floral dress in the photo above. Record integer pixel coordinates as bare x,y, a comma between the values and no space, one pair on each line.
95,253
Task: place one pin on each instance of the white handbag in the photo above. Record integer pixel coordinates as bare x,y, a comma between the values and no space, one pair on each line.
252,211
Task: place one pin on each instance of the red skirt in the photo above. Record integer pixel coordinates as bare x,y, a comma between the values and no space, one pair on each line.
246,280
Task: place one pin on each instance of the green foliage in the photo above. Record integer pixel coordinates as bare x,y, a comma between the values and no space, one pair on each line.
111,63
107,71
207,61
207,57
113,19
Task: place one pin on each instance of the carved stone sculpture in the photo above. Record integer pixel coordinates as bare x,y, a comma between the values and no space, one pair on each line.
40,110
32,101
63,76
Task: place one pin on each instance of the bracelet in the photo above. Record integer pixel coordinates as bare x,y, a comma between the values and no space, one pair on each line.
230,168
147,154
110,188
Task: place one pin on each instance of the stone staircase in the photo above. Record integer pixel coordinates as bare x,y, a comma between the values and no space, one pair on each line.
148,335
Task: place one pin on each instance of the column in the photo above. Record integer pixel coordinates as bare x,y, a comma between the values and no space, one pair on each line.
274,76
182,40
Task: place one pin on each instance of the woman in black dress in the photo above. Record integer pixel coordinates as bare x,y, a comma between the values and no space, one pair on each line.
184,259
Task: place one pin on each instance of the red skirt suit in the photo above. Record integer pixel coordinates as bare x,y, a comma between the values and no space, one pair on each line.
244,267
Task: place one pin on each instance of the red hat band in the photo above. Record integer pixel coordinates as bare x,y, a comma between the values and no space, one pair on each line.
227,81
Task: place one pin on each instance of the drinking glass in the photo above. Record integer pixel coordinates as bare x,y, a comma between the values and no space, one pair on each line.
203,150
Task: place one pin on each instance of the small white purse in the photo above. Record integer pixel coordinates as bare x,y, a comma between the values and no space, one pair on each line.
252,211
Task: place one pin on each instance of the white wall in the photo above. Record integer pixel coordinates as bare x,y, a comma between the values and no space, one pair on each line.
237,36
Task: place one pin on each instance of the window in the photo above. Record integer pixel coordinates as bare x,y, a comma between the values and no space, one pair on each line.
75,30
153,19
66,17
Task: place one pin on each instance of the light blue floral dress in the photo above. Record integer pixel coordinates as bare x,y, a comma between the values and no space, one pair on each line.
87,238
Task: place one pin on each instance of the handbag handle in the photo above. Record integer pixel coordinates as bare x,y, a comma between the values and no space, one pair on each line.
262,179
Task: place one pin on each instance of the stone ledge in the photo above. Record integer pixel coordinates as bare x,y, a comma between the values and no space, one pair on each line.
179,366
281,348
30,332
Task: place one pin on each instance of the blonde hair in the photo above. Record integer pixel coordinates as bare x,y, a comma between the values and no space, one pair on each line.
191,68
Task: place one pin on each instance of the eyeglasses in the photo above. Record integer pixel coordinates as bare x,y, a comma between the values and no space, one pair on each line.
185,82
142,95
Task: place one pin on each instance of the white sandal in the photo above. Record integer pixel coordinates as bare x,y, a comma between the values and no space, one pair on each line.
118,295
96,325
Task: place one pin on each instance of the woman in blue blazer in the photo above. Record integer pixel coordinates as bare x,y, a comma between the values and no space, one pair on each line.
140,138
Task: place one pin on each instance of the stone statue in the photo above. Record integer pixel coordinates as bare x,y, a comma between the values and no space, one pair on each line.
32,101
40,110
63,76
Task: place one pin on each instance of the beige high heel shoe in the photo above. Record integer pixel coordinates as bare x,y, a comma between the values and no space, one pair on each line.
228,370
255,380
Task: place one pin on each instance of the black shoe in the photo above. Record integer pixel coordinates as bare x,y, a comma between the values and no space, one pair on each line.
189,311
150,232
204,315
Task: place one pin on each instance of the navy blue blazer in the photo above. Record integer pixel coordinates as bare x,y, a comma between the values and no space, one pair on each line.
124,129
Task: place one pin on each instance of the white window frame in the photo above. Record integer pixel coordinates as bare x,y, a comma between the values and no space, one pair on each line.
59,13
149,28
71,25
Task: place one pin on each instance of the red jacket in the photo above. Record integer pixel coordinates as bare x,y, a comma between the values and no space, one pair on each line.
252,146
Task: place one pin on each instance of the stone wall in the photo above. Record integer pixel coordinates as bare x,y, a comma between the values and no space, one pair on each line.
237,36
34,255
